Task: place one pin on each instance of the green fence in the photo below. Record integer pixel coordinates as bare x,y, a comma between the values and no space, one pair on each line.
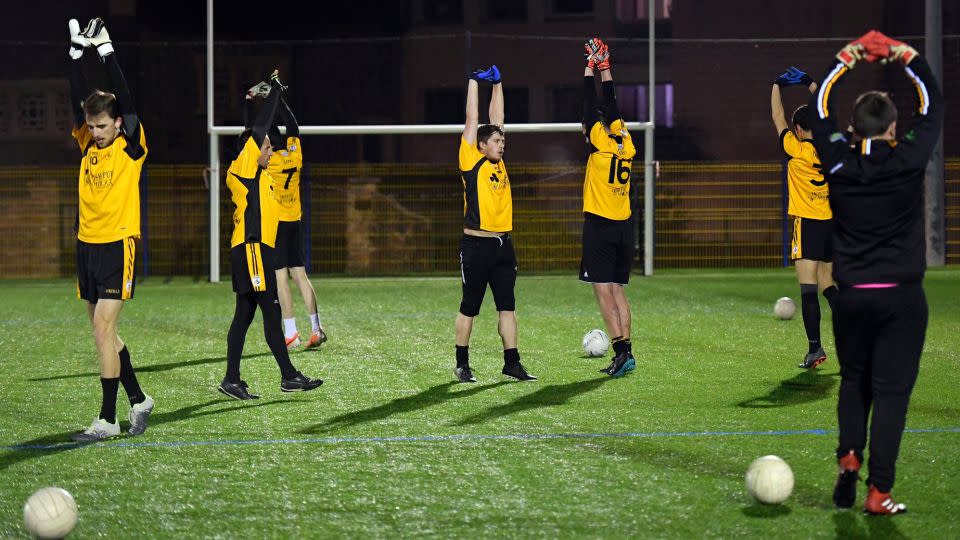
406,218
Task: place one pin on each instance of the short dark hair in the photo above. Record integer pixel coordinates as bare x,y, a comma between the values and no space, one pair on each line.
873,113
99,102
605,115
486,131
801,117
276,140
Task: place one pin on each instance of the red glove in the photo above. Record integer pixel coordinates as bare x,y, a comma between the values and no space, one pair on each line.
889,49
862,48
599,53
589,55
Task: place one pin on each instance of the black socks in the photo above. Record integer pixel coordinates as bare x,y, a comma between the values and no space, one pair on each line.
463,356
108,407
129,379
810,307
830,293
511,357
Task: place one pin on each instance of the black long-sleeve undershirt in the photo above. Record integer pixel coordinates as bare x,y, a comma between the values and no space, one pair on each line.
78,91
266,114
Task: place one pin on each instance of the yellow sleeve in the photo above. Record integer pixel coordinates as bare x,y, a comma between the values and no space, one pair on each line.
790,144
82,135
293,144
469,155
143,141
246,162
598,137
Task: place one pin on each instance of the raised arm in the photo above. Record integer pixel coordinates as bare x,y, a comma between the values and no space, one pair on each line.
286,115
78,82
917,145
496,105
589,99
247,112
96,33
776,108
269,110
827,138
473,112
131,121
791,77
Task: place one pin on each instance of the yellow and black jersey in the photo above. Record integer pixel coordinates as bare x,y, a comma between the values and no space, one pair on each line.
284,167
487,203
256,212
109,188
606,186
808,190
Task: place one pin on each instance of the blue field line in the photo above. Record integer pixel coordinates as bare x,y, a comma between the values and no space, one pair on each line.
441,438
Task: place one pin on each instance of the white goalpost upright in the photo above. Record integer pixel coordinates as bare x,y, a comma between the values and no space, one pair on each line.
216,131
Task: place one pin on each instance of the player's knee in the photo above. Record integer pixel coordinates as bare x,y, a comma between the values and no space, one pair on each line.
104,333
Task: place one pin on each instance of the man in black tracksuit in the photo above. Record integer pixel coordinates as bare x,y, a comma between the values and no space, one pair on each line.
876,193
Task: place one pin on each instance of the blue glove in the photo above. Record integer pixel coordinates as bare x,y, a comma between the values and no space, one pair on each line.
491,75
793,76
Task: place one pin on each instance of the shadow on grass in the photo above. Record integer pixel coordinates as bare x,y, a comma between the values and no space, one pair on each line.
757,510
804,387
60,442
429,397
548,396
152,368
849,525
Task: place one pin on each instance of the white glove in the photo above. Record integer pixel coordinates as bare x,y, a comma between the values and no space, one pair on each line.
96,34
77,41
261,89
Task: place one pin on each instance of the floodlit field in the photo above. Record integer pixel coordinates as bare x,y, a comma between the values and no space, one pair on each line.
390,446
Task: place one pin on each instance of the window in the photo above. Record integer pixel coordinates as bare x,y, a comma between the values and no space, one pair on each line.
35,109
571,7
442,11
506,10
443,105
632,100
636,10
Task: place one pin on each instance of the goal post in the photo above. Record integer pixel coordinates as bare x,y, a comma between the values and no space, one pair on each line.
216,131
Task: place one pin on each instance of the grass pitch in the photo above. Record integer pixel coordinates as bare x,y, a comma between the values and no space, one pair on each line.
391,447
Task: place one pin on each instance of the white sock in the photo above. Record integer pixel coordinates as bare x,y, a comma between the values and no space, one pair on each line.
315,321
289,327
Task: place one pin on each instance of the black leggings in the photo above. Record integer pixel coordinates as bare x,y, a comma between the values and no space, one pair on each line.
879,337
272,331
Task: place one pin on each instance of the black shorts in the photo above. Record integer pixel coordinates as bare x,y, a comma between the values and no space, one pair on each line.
251,267
288,250
106,271
487,260
812,239
608,250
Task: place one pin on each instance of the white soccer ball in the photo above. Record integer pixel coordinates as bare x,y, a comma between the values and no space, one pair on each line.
596,343
784,309
769,480
50,513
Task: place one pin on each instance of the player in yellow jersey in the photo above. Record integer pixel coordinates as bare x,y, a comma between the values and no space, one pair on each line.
608,231
114,148
285,167
255,218
486,249
809,205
